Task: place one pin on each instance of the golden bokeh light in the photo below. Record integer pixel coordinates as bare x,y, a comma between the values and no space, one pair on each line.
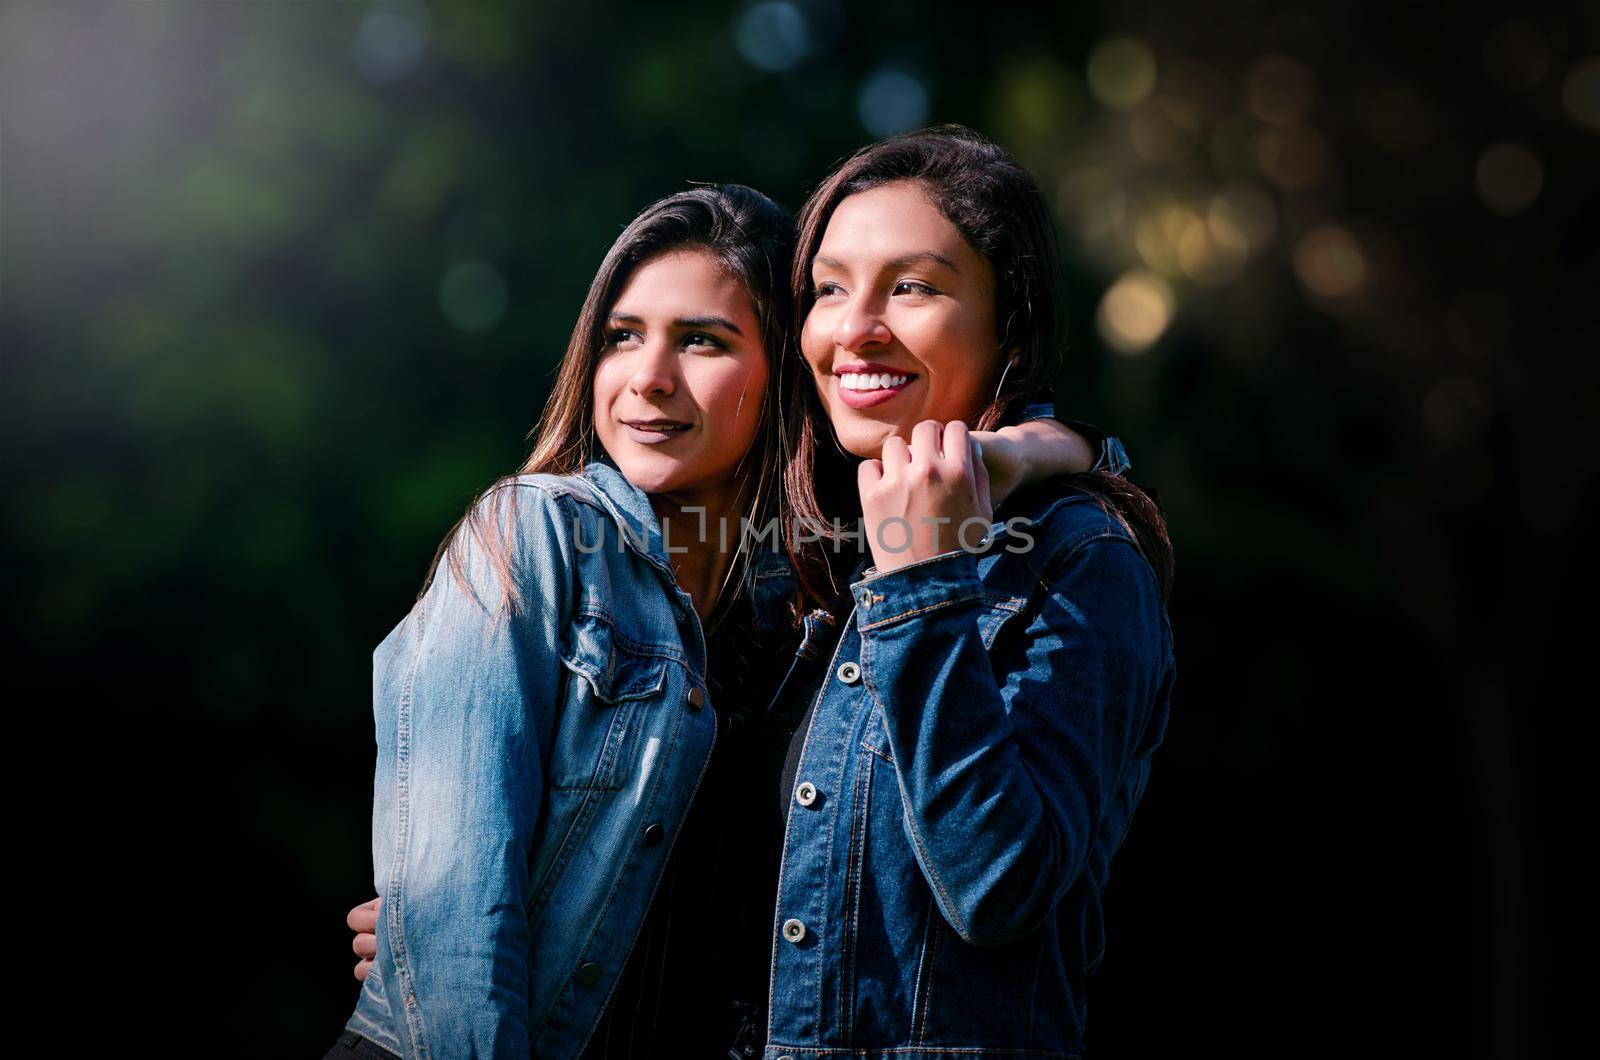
1292,156
1510,177
1164,130
1135,311
1280,90
1246,209
1122,71
1580,92
1330,263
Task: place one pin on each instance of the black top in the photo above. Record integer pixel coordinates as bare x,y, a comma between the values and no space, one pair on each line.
699,968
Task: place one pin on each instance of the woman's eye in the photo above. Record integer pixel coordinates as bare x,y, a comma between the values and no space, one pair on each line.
621,336
700,338
913,287
822,290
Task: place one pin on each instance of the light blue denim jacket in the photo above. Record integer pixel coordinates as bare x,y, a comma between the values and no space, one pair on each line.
533,768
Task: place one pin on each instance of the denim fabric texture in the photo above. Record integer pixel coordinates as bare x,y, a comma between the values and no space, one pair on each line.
982,731
979,739
533,767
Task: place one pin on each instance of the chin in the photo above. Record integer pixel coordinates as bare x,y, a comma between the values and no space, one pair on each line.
651,474
864,437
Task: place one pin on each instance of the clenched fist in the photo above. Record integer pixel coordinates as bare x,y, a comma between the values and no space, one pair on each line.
925,498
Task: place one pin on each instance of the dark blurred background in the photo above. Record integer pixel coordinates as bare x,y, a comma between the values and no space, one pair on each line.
283,283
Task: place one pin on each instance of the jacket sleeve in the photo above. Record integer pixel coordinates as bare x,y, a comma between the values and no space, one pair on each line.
1004,779
1110,454
471,710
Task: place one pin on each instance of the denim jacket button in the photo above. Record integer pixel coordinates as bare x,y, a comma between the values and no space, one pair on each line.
849,673
589,973
806,793
794,930
653,833
697,697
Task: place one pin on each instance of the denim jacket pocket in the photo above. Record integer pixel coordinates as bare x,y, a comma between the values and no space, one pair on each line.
996,612
597,730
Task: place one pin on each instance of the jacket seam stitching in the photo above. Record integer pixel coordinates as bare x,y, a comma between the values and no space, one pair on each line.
397,872
929,872
937,605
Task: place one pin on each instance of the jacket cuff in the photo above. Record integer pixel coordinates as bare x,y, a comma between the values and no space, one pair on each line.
946,580
1110,456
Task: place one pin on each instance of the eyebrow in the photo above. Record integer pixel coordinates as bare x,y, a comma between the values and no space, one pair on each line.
920,257
684,322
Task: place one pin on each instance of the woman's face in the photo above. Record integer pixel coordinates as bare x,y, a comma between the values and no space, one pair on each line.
678,387
902,328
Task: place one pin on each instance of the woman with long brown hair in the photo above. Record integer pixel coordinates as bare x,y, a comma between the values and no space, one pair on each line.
565,840
969,753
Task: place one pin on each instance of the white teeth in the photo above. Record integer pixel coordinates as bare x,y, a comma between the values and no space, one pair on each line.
871,381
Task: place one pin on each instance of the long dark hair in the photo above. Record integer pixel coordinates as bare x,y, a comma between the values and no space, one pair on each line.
999,210
751,237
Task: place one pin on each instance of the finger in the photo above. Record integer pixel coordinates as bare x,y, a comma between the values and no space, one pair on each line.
365,945
363,917
955,444
980,479
896,455
926,442
868,472
362,968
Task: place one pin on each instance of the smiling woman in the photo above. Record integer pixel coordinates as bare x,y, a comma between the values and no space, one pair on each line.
969,759
663,372
890,265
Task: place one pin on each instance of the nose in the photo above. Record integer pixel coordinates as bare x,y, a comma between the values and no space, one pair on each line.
655,369
860,327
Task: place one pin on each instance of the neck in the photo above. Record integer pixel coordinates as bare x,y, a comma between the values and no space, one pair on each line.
702,535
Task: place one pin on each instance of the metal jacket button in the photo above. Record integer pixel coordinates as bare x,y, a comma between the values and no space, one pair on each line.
589,973
793,930
806,793
653,833
697,697
849,673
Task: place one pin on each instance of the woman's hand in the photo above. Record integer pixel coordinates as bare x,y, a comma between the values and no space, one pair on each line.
1030,452
924,499
363,920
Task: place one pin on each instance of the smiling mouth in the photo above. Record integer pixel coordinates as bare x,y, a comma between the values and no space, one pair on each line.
870,381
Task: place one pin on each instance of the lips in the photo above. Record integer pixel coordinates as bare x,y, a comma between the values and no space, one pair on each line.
864,386
655,431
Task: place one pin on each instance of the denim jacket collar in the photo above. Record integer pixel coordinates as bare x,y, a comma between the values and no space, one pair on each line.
630,506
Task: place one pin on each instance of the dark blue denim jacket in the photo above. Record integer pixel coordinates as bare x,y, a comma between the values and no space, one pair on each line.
980,737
